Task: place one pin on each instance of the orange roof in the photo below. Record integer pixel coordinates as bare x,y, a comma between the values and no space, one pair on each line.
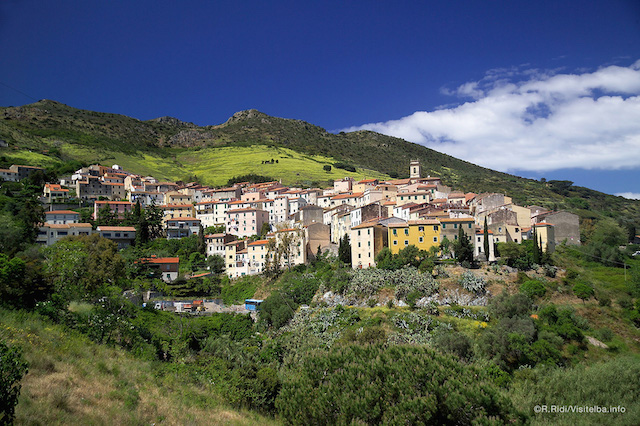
342,196
368,223
62,212
259,243
215,235
116,228
176,206
543,224
113,202
368,180
457,219
55,187
249,209
182,219
156,260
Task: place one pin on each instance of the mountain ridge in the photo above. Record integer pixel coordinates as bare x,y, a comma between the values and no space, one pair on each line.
46,125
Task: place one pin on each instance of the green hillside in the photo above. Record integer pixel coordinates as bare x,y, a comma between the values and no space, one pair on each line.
48,133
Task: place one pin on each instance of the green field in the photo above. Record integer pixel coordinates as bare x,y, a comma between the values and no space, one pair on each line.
215,166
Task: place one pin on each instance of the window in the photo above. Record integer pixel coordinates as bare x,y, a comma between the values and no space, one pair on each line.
470,226
358,232
406,231
395,242
395,232
444,225
455,226
406,242
435,239
420,228
421,239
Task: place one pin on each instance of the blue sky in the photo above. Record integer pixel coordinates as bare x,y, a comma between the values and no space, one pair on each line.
535,88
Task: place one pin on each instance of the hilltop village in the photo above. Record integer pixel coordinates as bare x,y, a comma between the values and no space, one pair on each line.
265,223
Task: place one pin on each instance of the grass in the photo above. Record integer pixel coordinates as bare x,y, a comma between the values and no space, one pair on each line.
72,380
215,166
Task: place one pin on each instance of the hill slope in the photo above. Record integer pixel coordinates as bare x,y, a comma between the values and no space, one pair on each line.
48,132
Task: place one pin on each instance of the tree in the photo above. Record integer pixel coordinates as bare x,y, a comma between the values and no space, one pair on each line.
344,250
462,247
83,267
266,228
326,168
154,216
106,216
215,263
202,244
537,250
486,239
13,368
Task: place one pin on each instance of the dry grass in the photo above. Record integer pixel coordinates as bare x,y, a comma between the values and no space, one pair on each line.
74,381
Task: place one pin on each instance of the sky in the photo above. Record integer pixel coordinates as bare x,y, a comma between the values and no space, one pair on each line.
534,88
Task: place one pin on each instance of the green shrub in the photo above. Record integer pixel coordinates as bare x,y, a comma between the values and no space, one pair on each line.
13,367
533,288
380,384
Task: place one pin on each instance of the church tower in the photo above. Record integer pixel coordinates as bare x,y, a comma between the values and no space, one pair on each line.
414,169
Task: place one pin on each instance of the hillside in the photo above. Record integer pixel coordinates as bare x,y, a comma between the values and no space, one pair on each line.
48,132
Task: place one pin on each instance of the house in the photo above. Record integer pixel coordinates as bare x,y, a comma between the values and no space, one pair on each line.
146,198
246,222
167,267
50,233
181,227
124,236
343,185
309,214
451,227
422,233
295,253
566,226
117,207
24,171
233,250
93,188
172,211
54,192
57,217
216,242
417,197
366,213
367,240
317,234
257,253
546,235
8,175
212,213
175,197
478,245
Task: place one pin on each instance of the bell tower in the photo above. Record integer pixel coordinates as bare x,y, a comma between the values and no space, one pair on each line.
414,169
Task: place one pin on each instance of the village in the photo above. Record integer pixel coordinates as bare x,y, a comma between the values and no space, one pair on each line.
271,222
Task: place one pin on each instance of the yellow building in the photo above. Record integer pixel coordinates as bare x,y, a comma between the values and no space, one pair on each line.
422,233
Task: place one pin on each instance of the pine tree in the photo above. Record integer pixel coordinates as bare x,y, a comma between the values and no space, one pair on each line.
344,250
202,245
486,239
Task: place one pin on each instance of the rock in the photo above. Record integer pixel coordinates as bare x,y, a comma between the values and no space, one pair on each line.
595,342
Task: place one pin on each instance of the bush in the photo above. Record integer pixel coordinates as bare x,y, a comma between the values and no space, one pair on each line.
472,283
583,291
380,384
13,367
533,288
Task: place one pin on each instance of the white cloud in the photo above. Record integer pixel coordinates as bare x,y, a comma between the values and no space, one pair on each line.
548,121
629,195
